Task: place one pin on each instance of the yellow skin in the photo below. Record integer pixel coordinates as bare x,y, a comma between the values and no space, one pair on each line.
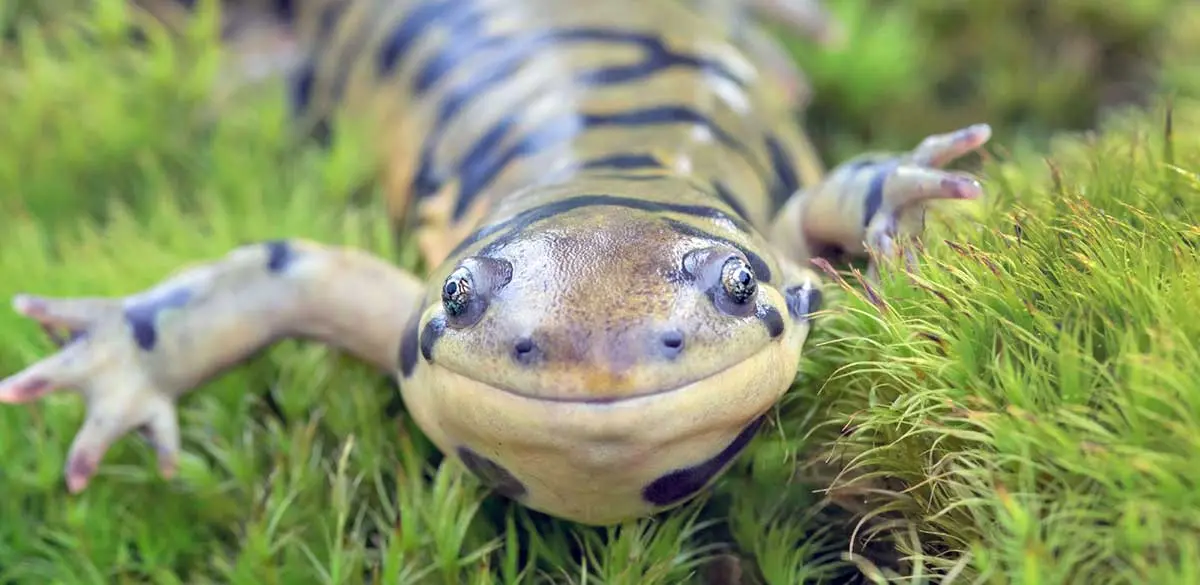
619,232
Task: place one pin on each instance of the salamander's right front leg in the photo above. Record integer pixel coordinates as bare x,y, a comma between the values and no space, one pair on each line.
133,357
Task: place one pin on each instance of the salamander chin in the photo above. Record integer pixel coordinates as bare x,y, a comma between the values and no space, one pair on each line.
605,303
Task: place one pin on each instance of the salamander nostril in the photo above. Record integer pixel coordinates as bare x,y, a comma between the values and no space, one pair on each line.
672,343
524,350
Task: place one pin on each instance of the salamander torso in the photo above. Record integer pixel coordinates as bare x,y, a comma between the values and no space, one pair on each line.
616,209
578,155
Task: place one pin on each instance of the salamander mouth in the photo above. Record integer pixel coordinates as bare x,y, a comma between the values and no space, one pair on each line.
765,352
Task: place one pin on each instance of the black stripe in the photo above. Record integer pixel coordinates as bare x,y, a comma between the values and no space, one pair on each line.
762,271
482,164
329,19
478,169
513,50
497,59
726,196
786,182
519,222
462,17
503,62
624,161
874,199
303,83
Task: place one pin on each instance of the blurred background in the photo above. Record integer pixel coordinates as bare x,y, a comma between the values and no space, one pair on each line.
909,68
1028,67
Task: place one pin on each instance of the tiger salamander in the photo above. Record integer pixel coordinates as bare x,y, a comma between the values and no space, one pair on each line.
617,211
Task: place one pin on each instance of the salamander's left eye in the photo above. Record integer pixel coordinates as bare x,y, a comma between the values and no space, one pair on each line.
726,276
737,278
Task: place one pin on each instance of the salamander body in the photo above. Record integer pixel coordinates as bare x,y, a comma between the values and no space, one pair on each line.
616,209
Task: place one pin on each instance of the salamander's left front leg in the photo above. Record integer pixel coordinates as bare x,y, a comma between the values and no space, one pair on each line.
132,357
865,204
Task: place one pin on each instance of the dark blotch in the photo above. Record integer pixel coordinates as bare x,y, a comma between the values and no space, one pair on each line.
682,484
492,474
143,314
433,330
279,256
285,9
772,319
875,192
409,345
302,87
672,344
803,301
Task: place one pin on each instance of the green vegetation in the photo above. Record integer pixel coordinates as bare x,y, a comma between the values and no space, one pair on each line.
1022,410
1029,67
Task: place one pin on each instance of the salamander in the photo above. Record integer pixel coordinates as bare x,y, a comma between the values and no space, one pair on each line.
617,211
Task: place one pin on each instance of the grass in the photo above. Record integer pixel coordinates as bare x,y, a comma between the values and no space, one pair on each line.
1023,410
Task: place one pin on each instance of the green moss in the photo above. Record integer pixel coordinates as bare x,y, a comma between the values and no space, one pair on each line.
1028,67
1023,410
1027,402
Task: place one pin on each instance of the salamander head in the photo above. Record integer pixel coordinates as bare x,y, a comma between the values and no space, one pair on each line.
608,302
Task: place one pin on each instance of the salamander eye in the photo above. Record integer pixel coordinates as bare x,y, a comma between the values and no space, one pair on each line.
726,277
471,287
738,280
456,292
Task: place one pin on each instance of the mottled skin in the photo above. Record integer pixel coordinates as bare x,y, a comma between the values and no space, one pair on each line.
618,213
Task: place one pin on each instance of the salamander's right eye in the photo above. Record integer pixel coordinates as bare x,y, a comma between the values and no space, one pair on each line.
469,289
456,292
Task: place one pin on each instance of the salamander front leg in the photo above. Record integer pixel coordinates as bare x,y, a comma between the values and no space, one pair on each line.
866,204
131,358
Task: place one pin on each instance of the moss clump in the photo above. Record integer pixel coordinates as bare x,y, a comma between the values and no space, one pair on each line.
1026,408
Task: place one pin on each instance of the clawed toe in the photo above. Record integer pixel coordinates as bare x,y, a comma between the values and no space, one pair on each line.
940,150
66,368
152,415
